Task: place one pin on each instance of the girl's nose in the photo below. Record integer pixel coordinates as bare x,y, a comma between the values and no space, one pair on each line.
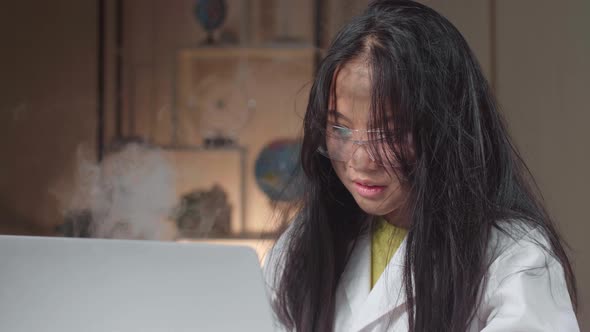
361,159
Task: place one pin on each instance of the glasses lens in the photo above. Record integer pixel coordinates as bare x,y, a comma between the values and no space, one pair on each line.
340,145
338,142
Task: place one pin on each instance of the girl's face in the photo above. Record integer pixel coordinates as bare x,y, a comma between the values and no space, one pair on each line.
375,188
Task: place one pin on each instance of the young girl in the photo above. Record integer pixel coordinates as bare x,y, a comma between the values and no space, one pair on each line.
418,212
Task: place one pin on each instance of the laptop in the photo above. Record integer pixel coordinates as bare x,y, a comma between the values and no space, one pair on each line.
98,285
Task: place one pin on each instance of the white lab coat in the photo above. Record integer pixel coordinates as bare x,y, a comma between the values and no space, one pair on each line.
515,299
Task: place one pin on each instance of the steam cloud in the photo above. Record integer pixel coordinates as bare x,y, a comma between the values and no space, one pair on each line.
130,194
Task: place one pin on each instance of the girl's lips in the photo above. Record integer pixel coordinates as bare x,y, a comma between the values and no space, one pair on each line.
368,191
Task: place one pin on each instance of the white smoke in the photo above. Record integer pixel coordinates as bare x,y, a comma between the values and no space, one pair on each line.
130,194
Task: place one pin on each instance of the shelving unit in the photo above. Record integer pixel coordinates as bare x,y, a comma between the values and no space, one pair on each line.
153,102
238,225
273,75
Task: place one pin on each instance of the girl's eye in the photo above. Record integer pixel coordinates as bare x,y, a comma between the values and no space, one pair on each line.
341,132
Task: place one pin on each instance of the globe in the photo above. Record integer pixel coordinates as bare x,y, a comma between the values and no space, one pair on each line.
210,13
278,170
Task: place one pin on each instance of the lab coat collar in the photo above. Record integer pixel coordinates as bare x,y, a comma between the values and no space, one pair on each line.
388,293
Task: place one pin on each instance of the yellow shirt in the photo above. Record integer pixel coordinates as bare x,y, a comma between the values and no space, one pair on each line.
385,240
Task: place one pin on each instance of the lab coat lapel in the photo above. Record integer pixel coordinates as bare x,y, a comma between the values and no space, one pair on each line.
368,305
356,277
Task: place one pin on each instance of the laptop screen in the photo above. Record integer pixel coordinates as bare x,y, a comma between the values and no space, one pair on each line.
96,285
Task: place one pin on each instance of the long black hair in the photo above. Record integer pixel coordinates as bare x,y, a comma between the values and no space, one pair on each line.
453,154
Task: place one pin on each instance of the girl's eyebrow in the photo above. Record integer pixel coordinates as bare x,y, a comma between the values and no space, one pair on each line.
338,115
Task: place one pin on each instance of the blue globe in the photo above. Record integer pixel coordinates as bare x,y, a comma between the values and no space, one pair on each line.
278,170
210,13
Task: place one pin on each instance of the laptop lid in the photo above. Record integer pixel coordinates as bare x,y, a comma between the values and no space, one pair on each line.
96,285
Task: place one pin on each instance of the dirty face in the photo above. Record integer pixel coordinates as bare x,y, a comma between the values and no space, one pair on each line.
349,141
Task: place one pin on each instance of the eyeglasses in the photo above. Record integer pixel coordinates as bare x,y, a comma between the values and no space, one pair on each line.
342,142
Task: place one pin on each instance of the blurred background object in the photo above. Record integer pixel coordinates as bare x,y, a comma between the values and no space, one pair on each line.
79,77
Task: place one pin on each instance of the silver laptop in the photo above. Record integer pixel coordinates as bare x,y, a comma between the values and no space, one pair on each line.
93,285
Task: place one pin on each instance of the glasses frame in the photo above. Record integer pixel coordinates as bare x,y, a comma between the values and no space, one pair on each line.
358,142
